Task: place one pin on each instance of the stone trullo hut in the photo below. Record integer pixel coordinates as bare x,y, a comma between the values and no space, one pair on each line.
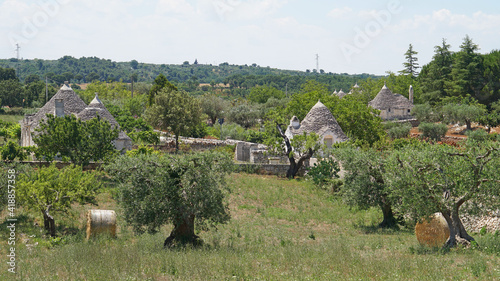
355,89
391,106
341,94
66,102
320,121
96,107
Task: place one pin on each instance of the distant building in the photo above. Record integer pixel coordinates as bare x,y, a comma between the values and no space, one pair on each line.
320,121
67,102
96,107
355,89
341,94
392,106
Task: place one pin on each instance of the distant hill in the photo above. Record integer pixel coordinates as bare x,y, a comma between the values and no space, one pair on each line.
87,69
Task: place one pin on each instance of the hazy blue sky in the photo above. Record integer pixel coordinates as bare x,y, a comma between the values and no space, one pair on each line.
349,36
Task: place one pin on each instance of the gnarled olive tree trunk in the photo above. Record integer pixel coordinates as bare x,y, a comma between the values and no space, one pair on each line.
295,166
183,231
389,220
458,234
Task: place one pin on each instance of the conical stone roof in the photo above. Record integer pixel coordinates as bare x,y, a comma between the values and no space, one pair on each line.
73,104
95,108
356,88
385,99
319,120
341,94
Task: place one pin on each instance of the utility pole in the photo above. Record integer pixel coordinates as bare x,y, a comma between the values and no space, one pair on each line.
317,63
286,90
17,50
46,91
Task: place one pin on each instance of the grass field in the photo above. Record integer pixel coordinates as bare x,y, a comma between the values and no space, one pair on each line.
280,230
11,118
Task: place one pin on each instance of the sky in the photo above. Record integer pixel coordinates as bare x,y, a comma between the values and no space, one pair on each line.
366,36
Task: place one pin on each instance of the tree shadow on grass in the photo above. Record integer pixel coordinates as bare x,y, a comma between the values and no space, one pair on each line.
27,224
424,250
377,229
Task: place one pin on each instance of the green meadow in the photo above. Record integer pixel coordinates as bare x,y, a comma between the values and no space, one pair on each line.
11,118
280,230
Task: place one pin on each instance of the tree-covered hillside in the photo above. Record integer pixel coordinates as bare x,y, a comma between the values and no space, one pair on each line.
88,69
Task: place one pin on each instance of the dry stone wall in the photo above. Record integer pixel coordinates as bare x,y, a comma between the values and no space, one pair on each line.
268,169
490,222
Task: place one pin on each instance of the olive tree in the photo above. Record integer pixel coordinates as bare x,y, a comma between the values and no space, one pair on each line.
298,149
174,111
243,114
49,189
466,113
440,178
213,106
365,181
184,190
425,113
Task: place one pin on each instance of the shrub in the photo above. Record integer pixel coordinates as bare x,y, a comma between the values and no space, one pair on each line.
490,243
14,111
227,149
247,168
255,136
324,172
142,149
147,137
10,130
400,143
397,130
477,135
11,151
494,137
213,131
433,131
233,131
198,131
